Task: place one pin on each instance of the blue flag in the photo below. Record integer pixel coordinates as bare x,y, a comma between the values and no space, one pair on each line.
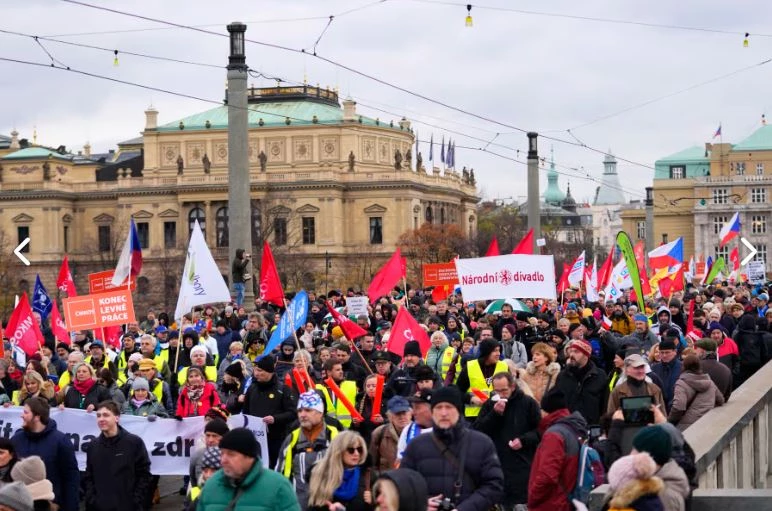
292,319
431,148
450,156
41,302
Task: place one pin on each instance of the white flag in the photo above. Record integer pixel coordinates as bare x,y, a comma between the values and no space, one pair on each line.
620,280
202,282
576,275
591,284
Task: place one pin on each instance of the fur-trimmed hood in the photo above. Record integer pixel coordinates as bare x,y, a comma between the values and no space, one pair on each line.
634,490
552,369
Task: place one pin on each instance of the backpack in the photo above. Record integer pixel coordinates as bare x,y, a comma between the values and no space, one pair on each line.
590,471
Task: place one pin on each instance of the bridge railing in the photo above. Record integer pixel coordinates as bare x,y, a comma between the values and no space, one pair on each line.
731,445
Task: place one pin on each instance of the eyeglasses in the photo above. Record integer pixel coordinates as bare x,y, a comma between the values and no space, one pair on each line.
352,450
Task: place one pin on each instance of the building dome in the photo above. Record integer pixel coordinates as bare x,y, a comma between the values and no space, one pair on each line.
553,195
569,203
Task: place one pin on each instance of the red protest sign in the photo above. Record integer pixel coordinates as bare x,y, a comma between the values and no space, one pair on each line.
99,310
101,282
440,274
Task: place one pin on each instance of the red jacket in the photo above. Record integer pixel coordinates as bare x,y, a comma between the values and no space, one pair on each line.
554,471
187,408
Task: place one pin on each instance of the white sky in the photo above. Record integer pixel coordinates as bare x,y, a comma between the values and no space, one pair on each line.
534,72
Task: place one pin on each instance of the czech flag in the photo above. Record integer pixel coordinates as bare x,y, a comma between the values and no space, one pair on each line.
730,230
130,261
670,254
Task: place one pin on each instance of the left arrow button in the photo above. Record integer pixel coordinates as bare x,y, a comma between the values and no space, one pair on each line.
18,250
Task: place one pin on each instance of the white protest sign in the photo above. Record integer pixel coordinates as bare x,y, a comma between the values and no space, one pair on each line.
356,305
507,276
169,442
757,272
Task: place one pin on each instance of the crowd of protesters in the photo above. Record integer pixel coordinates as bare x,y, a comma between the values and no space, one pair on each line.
495,413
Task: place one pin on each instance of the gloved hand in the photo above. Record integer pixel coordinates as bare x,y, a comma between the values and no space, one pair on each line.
152,418
178,417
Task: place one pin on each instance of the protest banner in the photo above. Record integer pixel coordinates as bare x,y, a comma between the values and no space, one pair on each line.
757,272
507,276
169,442
357,305
440,274
97,311
102,282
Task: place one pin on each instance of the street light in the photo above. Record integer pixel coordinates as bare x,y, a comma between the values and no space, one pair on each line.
237,57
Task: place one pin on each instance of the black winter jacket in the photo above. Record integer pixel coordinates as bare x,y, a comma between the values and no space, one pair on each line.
484,486
585,390
74,399
117,476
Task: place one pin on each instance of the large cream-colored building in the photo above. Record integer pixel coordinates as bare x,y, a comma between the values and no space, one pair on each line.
697,190
332,191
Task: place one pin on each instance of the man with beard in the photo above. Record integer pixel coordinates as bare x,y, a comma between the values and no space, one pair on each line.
642,339
583,383
367,349
505,319
265,399
353,372
39,437
676,314
621,323
430,455
402,381
664,323
335,408
478,375
668,368
116,451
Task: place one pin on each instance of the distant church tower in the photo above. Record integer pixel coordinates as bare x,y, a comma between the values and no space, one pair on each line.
610,191
553,195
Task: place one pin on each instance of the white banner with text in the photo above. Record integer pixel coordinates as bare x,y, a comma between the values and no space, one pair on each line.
507,276
169,442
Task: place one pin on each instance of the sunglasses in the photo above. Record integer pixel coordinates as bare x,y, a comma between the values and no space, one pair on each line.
352,450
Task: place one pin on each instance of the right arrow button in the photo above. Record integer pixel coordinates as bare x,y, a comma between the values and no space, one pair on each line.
751,248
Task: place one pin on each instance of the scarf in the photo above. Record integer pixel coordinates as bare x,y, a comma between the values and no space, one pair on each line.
349,487
195,393
84,386
137,403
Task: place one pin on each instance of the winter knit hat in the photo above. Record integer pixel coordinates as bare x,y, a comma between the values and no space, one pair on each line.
311,401
412,348
135,357
41,490
655,441
486,347
212,458
641,317
216,426
553,400
449,394
266,363
630,468
509,327
582,346
707,345
29,470
140,384
423,373
16,497
235,369
242,441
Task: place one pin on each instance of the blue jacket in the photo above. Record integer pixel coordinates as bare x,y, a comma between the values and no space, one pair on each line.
668,373
224,342
58,456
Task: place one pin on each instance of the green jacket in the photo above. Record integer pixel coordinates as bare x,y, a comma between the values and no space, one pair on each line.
263,490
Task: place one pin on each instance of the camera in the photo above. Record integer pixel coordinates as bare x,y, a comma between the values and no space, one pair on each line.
446,505
594,433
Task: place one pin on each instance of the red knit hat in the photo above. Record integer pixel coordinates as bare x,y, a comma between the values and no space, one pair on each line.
582,346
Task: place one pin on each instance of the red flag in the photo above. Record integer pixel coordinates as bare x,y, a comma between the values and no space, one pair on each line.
22,329
65,282
665,287
493,248
58,327
678,279
690,317
405,329
112,336
563,284
440,293
734,258
387,277
525,247
640,260
350,329
270,284
604,274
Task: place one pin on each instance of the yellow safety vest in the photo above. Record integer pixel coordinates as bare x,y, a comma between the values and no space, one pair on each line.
195,492
209,371
64,379
295,436
338,410
477,381
16,397
447,360
158,390
88,361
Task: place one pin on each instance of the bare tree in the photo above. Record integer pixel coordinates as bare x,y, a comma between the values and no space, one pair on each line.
10,269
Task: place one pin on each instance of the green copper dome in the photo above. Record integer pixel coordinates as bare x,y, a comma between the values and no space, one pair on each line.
553,195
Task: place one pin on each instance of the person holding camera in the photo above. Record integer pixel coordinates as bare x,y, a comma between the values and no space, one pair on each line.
239,274
460,465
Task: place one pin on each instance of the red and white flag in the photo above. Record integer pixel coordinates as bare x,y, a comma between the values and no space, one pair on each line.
606,323
591,283
350,329
404,329
112,336
22,328
65,282
58,327
270,284
576,274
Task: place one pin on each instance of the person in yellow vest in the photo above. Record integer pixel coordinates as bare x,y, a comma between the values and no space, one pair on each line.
129,347
147,344
198,357
149,371
128,374
478,374
335,409
98,360
305,445
73,359
210,463
440,356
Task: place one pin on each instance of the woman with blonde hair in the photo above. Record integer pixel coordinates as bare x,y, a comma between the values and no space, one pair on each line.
339,481
541,373
33,386
83,393
401,490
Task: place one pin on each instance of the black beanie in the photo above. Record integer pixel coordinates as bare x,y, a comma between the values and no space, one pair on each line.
412,348
235,369
423,373
486,347
553,400
449,394
217,426
241,440
267,363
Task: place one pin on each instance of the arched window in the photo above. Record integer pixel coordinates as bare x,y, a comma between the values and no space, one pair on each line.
429,215
196,214
257,224
221,226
